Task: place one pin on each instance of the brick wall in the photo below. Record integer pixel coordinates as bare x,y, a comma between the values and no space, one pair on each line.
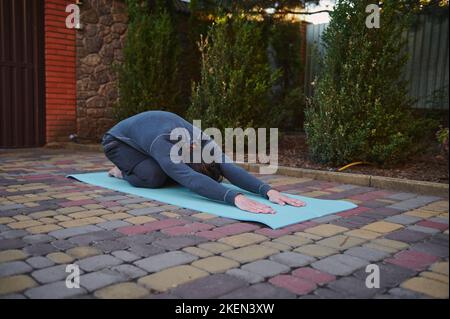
60,83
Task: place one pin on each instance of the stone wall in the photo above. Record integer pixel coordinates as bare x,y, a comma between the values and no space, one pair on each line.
99,45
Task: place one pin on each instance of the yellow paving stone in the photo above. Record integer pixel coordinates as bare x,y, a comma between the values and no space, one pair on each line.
43,214
215,248
204,216
79,197
315,250
250,253
444,215
315,194
387,245
435,276
116,216
43,229
382,227
71,209
60,258
354,201
90,213
341,242
83,252
326,230
421,213
293,240
363,233
127,290
21,218
198,252
427,286
215,264
335,189
6,220
307,235
172,277
24,224
275,245
14,284
440,206
170,214
63,218
440,267
244,239
82,222
11,255
138,220
48,220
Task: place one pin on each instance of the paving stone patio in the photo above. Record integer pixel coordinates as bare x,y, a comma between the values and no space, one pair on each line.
130,247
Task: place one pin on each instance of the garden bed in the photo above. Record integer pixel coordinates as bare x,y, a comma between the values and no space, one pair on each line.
430,165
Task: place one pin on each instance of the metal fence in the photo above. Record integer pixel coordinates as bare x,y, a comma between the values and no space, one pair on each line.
427,68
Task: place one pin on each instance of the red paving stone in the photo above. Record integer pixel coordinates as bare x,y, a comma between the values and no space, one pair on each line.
435,225
313,275
296,285
413,260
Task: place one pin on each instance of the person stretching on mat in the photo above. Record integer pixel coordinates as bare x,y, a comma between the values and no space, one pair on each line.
140,148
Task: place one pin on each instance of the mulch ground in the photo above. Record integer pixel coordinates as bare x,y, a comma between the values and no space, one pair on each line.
431,165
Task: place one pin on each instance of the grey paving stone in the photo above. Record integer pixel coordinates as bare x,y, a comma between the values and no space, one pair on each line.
440,239
403,219
407,236
51,274
14,233
56,290
166,260
39,262
141,238
38,239
402,196
113,224
11,244
146,211
353,287
339,265
405,293
112,198
265,268
13,296
125,255
178,242
40,249
110,245
98,262
432,249
220,221
390,275
74,231
326,219
89,238
327,293
292,259
99,279
129,271
212,286
366,253
413,203
11,207
439,220
14,268
145,250
260,291
422,229
62,244
245,275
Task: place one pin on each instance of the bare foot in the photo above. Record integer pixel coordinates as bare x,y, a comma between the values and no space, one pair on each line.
115,172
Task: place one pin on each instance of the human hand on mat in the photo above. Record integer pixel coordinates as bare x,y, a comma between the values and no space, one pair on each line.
278,198
252,206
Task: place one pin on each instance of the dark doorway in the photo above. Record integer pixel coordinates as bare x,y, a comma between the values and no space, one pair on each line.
22,118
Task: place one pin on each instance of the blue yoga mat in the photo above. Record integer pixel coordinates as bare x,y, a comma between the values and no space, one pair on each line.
181,196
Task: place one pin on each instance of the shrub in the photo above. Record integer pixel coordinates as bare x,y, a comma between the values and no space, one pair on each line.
236,79
148,77
361,110
442,136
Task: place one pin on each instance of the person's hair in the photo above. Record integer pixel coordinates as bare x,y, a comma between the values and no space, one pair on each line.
211,169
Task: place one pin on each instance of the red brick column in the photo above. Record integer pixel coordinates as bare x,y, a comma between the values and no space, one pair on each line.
60,83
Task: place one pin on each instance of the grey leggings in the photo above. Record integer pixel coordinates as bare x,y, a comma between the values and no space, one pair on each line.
137,168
